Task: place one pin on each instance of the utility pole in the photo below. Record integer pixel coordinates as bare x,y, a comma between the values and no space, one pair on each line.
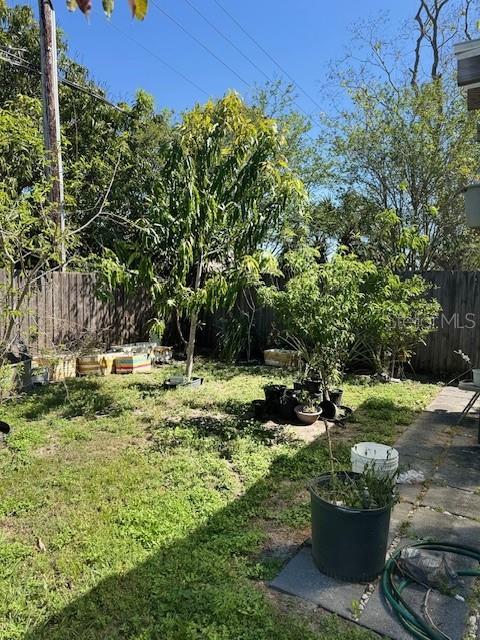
51,110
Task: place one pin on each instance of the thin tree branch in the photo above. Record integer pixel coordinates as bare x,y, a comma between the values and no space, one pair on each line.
104,201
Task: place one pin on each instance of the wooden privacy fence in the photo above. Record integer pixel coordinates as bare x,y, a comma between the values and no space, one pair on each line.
63,309
457,327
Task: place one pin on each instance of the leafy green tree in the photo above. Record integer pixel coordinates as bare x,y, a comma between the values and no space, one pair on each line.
29,236
106,147
318,306
349,310
403,144
227,182
224,186
408,153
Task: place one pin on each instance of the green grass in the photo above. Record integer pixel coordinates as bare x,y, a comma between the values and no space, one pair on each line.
127,512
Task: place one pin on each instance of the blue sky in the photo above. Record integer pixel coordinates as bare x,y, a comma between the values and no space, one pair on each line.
303,36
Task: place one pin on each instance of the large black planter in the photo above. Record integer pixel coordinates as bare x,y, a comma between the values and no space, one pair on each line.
273,395
336,396
348,544
288,401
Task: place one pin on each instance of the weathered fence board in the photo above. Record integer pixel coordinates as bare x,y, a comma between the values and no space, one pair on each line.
457,327
64,309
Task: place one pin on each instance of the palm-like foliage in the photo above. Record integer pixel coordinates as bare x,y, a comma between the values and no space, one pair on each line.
223,187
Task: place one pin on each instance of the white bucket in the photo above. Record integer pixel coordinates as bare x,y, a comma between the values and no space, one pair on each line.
382,458
476,377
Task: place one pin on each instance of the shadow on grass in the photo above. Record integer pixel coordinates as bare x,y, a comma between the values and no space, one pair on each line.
197,587
147,390
213,433
79,397
200,586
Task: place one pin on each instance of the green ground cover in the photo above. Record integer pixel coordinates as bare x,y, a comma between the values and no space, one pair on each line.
127,512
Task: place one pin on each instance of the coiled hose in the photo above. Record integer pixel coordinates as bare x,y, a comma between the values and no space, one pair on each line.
392,589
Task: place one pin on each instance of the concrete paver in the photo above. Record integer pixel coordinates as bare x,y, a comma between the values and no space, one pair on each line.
455,501
300,577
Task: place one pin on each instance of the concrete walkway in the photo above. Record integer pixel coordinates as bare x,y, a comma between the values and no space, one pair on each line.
446,507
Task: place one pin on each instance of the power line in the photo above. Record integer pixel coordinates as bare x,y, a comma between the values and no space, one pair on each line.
199,42
242,53
79,87
19,62
227,39
255,41
160,59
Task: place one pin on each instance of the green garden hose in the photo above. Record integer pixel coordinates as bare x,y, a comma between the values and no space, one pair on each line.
392,589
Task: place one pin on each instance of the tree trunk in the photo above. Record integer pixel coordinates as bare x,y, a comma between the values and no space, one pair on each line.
193,324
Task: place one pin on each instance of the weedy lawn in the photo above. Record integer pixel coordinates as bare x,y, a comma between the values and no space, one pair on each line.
128,512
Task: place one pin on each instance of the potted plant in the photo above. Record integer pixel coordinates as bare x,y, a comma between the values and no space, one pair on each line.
336,396
288,403
315,310
308,412
350,523
312,380
273,394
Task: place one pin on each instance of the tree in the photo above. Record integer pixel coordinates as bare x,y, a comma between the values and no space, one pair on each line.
30,240
222,189
318,306
407,152
100,139
401,148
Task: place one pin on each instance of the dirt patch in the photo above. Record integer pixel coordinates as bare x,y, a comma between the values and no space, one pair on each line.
282,540
308,612
308,433
12,528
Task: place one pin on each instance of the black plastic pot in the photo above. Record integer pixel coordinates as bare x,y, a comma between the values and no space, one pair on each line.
336,396
329,409
4,430
258,407
312,386
273,394
288,401
348,544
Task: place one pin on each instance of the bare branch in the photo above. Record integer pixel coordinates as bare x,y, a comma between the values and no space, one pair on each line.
421,36
466,16
104,201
